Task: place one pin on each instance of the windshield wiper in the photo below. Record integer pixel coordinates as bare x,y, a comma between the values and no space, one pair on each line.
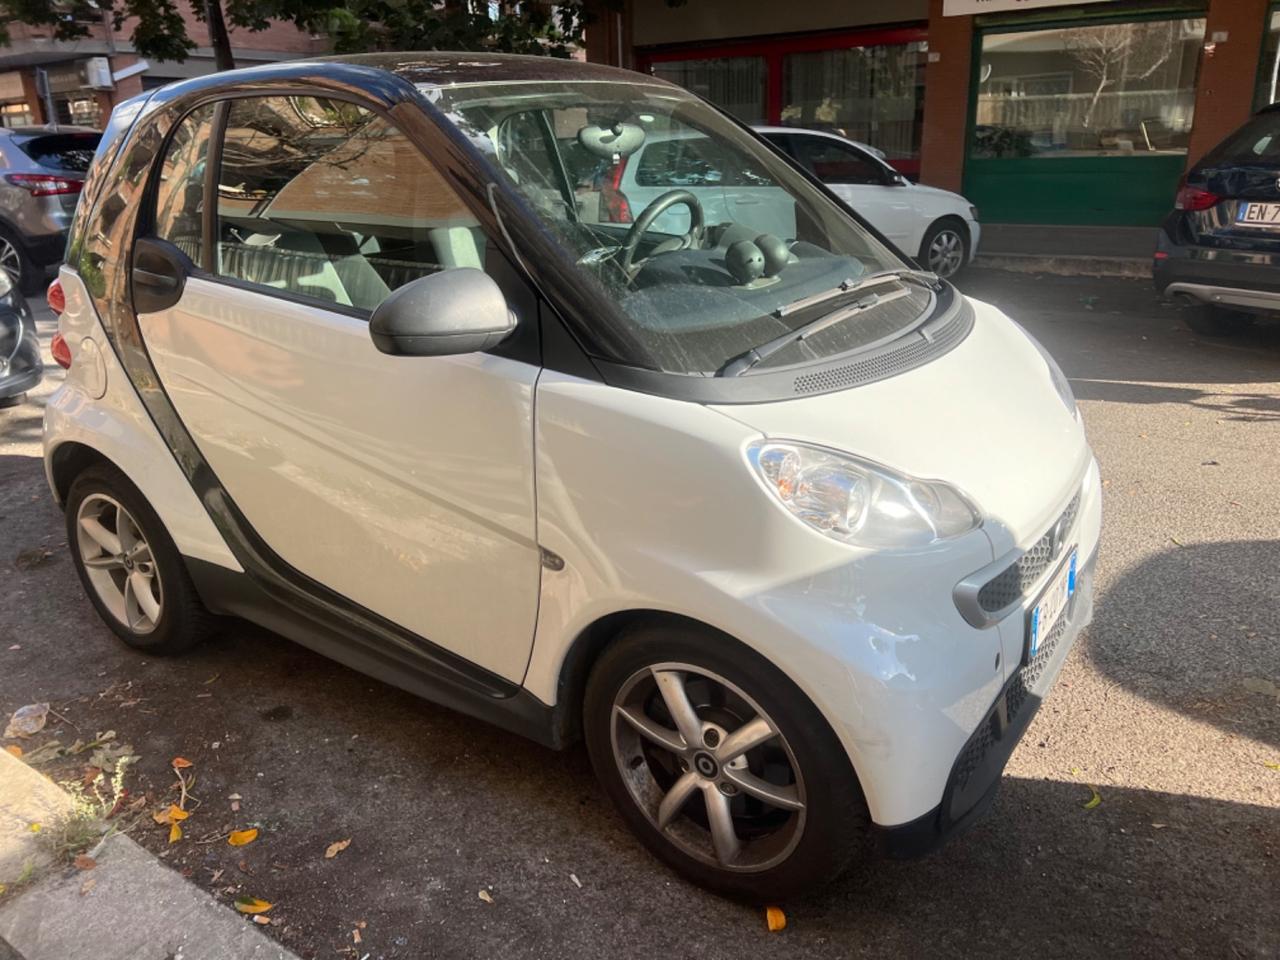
852,286
736,366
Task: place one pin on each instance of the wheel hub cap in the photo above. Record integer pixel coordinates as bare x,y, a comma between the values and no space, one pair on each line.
706,765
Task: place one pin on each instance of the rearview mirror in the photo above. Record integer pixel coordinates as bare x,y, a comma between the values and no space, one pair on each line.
443,314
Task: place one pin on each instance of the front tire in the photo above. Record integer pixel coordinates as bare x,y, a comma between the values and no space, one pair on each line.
1213,321
720,765
129,565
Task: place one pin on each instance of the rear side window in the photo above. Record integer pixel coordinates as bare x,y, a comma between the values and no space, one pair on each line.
694,162
1258,140
834,162
323,199
180,188
70,152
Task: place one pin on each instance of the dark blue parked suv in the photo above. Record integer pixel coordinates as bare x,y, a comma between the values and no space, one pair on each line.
1220,247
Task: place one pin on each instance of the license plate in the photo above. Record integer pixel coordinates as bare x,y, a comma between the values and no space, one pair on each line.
1258,215
1052,605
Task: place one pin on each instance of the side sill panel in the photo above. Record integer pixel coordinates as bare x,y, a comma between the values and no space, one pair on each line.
230,593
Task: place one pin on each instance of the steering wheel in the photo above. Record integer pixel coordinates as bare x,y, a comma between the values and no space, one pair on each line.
657,207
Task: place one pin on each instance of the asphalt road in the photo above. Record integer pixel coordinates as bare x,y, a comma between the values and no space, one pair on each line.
1168,705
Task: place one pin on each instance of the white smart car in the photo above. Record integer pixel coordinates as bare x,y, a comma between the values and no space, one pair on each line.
794,535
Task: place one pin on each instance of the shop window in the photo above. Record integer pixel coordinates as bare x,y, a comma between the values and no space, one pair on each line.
1269,68
874,94
734,84
1109,89
16,115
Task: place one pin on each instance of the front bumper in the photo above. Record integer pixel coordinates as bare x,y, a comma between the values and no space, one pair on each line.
976,772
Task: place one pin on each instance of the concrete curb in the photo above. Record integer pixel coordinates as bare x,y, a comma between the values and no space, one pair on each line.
1066,266
135,908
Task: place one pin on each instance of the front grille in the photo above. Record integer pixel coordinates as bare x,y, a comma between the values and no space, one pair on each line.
1009,585
1016,695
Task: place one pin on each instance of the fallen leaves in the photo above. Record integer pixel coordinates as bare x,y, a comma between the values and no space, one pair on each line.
15,750
84,862
336,848
240,838
774,919
1094,800
181,763
252,905
485,896
175,833
173,814
27,721
89,884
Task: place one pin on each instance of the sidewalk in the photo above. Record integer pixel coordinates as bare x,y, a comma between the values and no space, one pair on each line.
1067,250
127,907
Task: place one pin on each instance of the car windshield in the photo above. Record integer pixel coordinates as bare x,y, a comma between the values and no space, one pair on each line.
69,152
697,238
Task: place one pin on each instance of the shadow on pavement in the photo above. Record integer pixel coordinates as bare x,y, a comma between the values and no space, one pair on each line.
1206,642
1228,405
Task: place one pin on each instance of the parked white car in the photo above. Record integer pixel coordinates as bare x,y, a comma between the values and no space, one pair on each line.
794,535
937,227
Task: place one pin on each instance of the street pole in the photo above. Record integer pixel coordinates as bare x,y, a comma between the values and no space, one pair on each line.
46,96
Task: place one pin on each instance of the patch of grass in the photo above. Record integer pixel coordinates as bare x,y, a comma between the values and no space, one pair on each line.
10,888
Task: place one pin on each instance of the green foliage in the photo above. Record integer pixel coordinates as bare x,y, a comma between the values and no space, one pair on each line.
514,26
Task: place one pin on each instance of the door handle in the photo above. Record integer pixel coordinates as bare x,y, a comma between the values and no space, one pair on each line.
157,281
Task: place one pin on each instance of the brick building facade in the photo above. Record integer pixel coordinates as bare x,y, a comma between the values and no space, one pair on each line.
87,77
1040,111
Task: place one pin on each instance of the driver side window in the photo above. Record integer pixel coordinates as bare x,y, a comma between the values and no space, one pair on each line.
323,199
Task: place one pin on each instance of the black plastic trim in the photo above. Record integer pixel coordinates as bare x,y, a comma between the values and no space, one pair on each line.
228,592
947,327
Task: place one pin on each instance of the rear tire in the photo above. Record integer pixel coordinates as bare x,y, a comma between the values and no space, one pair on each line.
770,850
1212,321
945,248
14,258
130,567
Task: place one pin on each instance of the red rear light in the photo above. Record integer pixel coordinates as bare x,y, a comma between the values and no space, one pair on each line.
61,352
614,206
44,184
1193,198
56,299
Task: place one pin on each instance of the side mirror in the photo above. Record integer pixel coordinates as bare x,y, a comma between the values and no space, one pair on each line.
454,311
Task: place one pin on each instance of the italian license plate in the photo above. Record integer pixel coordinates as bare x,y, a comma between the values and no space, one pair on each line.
1258,215
1051,606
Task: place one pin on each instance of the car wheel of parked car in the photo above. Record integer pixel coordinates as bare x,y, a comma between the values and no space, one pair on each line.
130,567
720,764
945,248
15,260
1211,321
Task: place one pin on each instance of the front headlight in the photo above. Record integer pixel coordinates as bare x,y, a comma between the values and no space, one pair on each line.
859,502
1060,381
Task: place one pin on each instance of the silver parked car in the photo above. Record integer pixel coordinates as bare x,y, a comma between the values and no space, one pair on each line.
42,171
